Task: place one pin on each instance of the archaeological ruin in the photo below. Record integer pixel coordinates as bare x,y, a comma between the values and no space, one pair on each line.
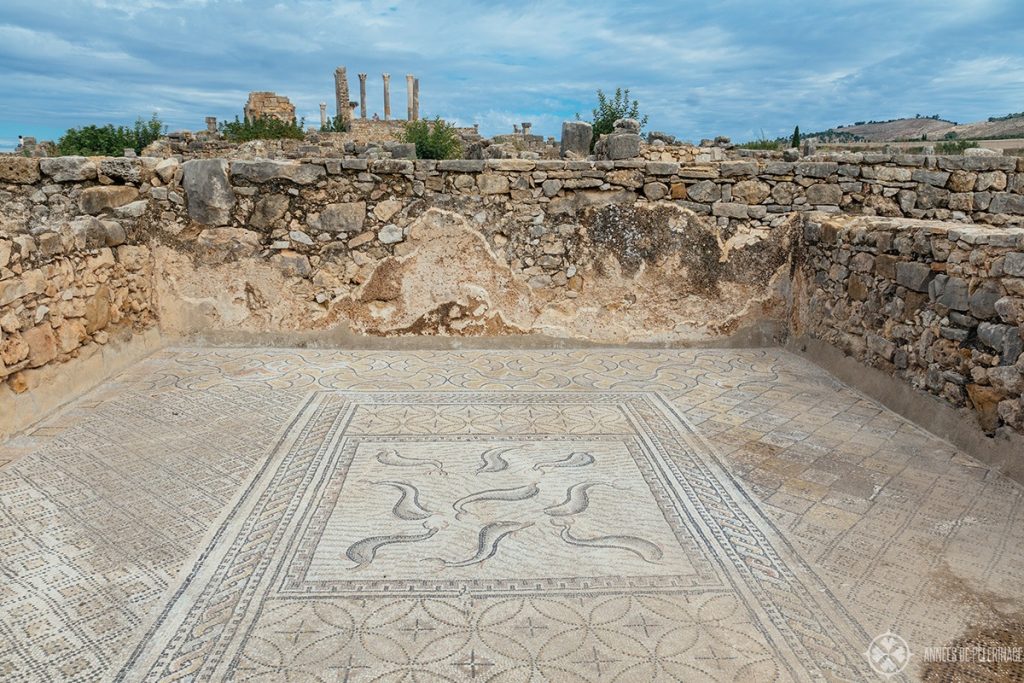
294,407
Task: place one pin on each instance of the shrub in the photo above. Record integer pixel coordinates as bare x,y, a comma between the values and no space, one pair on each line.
107,140
335,124
608,111
433,139
954,146
263,128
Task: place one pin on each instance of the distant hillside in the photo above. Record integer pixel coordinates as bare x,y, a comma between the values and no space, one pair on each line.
1010,126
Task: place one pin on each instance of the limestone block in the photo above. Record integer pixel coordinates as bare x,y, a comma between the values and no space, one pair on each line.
88,233
576,138
20,170
122,169
94,200
269,211
42,344
705,191
166,169
622,146
385,210
343,217
264,171
754,192
913,275
208,191
655,191
218,245
68,169
1005,202
492,183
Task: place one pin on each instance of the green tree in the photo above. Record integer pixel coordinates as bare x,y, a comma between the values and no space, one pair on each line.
795,141
609,110
262,128
433,139
335,124
107,140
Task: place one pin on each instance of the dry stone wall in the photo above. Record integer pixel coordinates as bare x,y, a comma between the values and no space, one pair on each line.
937,304
681,245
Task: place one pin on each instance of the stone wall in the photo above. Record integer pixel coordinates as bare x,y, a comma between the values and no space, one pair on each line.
70,283
697,248
939,305
269,104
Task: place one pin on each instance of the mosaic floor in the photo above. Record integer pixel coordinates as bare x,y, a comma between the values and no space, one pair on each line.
328,516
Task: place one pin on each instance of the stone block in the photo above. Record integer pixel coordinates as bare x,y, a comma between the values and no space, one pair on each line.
729,209
622,146
750,191
655,191
208,191
265,171
824,193
343,217
461,165
576,138
731,169
42,344
492,183
1013,264
219,245
94,200
982,302
19,170
1006,202
291,263
954,294
913,275
68,169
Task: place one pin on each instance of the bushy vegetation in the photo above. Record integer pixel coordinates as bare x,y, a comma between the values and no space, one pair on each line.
335,124
262,128
433,139
761,143
610,109
107,140
1015,115
954,146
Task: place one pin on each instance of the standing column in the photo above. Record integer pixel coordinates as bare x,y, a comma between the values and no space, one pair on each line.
362,96
344,111
408,97
387,96
323,114
416,99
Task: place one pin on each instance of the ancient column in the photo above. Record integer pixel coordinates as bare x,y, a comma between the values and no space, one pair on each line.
387,96
362,96
408,96
323,114
344,112
211,124
416,99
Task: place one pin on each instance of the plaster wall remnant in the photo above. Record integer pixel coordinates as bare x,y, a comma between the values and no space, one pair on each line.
362,96
270,104
341,97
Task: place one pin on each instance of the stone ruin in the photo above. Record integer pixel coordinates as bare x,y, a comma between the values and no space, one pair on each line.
268,104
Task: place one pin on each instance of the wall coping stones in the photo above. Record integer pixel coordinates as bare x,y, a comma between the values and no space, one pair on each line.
461,165
510,164
261,171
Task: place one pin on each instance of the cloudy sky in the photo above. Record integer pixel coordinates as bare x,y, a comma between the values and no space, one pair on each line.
732,67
